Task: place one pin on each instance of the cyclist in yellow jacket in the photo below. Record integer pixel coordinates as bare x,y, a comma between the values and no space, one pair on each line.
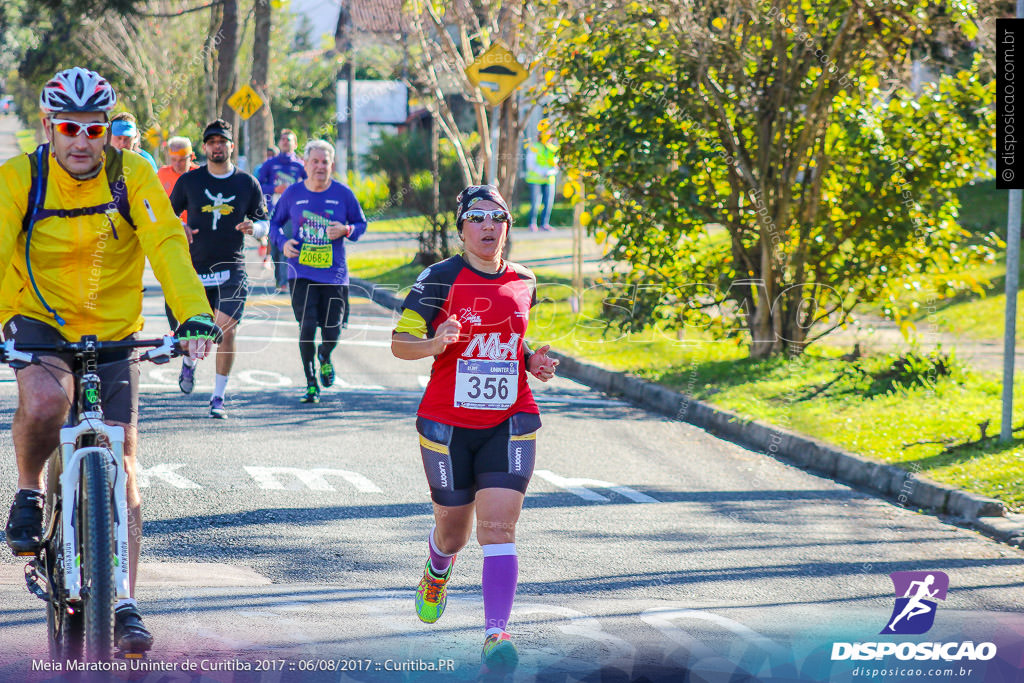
74,237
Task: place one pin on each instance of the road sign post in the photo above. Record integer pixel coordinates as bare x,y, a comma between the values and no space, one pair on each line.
496,73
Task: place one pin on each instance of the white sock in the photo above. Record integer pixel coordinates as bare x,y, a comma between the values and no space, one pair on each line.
220,383
188,361
125,601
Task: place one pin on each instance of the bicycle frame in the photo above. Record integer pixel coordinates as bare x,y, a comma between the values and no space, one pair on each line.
86,420
91,422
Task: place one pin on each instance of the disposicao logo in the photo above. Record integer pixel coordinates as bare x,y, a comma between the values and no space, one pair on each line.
914,614
916,592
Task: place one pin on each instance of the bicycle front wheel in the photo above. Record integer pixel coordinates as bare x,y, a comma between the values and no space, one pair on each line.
95,522
64,623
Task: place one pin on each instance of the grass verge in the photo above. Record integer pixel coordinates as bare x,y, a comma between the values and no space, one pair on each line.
858,406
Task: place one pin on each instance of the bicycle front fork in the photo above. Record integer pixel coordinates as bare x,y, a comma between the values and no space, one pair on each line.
69,478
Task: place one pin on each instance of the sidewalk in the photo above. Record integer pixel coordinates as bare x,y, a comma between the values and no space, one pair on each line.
8,142
882,336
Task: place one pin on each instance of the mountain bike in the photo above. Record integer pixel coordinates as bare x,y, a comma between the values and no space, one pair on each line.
81,568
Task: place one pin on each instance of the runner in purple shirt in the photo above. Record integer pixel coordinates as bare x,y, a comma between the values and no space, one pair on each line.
310,224
275,175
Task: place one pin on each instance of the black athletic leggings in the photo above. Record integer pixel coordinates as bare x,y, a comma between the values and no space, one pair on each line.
318,305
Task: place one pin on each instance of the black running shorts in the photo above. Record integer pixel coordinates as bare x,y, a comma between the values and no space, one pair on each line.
225,290
326,304
459,460
119,379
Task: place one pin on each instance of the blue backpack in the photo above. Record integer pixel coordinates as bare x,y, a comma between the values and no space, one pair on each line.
39,168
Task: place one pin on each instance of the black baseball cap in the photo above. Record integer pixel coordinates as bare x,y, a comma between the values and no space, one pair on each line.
221,128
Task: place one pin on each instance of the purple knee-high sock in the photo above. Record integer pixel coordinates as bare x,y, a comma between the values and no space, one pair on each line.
500,576
439,562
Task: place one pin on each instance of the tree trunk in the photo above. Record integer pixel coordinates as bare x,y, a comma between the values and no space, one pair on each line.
508,147
343,44
261,124
213,39
227,54
764,319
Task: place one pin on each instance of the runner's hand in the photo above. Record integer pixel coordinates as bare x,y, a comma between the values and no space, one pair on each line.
448,332
542,365
338,229
197,335
189,232
291,249
245,226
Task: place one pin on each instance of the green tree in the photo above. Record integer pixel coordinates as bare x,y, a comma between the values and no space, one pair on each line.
150,58
304,92
767,119
445,38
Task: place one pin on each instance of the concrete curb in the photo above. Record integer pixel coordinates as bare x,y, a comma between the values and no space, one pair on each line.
988,515
384,296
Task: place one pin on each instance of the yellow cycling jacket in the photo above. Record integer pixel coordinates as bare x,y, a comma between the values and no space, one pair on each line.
89,268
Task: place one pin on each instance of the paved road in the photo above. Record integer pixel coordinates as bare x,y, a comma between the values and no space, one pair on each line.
297,533
294,535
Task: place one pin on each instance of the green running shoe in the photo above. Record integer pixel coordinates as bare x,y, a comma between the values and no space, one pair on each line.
312,394
499,654
432,594
326,371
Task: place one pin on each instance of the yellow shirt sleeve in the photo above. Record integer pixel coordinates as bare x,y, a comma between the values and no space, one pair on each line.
412,323
14,185
163,241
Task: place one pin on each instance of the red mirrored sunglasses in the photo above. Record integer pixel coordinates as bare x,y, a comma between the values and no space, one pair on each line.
73,129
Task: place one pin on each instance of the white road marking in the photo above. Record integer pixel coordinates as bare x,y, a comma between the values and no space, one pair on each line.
273,379
661,618
311,478
168,376
340,383
579,487
166,472
582,625
769,654
342,342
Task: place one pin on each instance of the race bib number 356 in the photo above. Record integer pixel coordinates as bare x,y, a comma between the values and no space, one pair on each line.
486,384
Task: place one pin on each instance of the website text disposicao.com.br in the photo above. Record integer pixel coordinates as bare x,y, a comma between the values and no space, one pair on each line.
942,673
960,659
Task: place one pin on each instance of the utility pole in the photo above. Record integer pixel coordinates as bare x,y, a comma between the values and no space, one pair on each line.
1012,285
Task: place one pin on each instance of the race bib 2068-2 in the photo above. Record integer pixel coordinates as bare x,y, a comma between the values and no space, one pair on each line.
316,255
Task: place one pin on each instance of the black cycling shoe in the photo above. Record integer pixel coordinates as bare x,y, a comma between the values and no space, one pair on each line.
129,632
25,523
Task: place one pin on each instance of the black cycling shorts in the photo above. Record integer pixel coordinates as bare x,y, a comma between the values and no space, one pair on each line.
459,460
327,304
119,378
226,293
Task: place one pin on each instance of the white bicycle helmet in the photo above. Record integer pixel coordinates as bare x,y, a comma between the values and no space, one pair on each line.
77,89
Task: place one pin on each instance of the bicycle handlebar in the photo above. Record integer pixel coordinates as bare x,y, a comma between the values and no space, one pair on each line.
161,350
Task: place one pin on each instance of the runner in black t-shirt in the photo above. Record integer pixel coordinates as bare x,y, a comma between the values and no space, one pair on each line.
222,204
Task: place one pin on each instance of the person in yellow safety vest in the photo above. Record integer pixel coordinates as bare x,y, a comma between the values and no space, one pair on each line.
541,174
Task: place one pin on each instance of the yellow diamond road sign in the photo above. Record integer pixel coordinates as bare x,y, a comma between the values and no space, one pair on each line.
245,101
497,73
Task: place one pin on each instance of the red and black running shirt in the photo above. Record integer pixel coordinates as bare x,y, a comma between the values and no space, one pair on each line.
480,380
